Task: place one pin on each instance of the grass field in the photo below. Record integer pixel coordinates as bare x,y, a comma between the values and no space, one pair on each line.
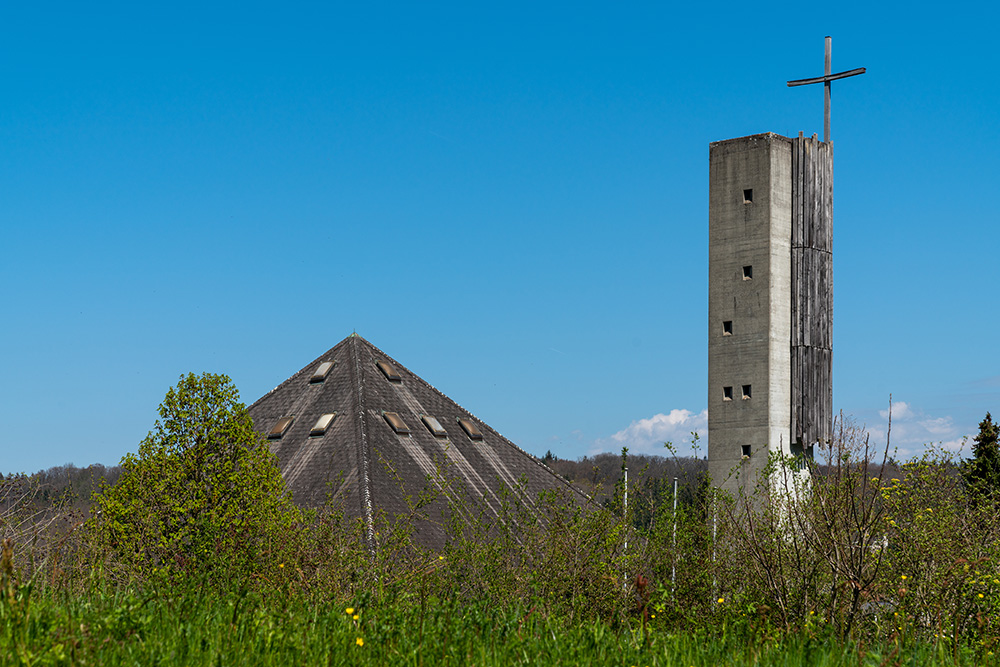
197,556
200,627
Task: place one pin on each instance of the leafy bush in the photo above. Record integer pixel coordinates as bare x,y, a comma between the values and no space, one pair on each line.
869,549
203,495
906,558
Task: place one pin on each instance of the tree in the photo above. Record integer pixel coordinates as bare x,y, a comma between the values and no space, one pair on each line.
203,493
982,471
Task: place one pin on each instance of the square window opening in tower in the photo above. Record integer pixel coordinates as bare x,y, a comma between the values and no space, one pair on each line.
748,196
746,392
727,328
747,273
727,393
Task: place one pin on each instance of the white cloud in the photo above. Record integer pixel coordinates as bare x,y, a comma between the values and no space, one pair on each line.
646,436
957,445
900,410
913,430
938,425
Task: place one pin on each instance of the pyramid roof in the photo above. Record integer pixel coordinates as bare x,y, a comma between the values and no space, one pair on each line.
392,439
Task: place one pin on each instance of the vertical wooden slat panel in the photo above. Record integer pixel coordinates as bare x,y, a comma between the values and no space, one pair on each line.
812,290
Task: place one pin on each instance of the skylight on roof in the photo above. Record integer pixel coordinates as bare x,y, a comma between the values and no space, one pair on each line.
323,423
470,429
389,371
321,372
434,426
396,422
280,428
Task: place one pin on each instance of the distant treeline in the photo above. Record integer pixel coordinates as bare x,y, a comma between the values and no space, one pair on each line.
650,480
65,487
650,477
605,470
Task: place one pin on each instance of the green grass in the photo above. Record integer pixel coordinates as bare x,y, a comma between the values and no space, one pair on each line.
192,627
540,585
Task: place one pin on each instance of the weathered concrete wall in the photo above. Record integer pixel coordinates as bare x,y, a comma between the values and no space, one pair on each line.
750,200
771,325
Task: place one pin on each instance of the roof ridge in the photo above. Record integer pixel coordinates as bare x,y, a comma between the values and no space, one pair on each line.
363,445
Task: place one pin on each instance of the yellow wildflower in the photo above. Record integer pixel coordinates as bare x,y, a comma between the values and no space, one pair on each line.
357,617
980,596
281,565
721,600
903,577
349,610
359,641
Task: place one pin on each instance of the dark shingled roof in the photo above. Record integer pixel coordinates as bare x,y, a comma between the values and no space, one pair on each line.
369,465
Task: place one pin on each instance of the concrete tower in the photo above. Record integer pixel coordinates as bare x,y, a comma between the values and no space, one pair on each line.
770,302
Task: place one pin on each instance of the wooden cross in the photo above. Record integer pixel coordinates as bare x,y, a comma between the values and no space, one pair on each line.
826,79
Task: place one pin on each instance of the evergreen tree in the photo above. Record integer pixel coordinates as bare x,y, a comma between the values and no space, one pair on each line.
982,471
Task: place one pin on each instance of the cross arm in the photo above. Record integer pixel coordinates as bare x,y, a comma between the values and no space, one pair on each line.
828,77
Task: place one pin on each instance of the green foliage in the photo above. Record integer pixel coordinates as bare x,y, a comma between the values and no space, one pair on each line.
186,626
943,566
202,495
982,471
871,552
563,556
873,563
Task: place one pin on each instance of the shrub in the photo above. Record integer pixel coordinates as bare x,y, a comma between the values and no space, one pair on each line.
202,495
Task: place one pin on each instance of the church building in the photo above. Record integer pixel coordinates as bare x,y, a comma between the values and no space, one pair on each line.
770,303
356,428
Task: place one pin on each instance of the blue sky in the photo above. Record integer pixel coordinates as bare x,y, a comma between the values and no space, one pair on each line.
510,199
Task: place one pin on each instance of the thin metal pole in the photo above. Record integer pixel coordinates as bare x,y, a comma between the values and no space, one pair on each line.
626,490
715,531
625,551
827,87
673,567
